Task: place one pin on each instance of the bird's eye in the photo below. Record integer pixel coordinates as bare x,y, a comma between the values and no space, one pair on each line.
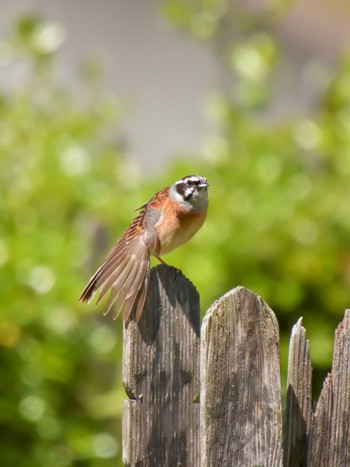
189,183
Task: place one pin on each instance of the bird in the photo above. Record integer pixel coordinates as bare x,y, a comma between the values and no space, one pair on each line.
168,220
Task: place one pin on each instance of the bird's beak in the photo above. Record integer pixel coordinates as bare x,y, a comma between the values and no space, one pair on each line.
203,185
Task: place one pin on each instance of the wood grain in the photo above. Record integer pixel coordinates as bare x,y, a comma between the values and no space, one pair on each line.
161,375
241,418
330,429
298,400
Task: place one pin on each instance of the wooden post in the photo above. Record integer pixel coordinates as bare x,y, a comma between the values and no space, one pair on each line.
241,419
240,400
161,375
298,402
330,429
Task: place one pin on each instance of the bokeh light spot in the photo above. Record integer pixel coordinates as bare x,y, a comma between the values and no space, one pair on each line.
41,279
74,161
60,320
48,37
104,445
307,134
32,408
103,339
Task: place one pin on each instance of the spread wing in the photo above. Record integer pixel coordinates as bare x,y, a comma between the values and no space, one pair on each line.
125,272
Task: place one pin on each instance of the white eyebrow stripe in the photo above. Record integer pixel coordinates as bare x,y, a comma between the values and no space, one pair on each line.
193,178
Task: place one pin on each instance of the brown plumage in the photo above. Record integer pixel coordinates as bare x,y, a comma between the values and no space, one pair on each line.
165,222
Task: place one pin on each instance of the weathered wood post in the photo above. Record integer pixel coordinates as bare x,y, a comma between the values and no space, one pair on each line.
298,400
241,417
237,419
320,438
329,443
161,376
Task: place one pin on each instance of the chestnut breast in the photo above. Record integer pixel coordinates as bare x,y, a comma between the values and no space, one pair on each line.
177,225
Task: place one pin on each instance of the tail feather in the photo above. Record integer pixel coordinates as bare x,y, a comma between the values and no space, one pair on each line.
142,296
125,272
123,290
90,289
109,267
114,279
141,284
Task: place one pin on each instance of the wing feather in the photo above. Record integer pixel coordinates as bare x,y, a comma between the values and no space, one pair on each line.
117,274
142,296
125,270
140,282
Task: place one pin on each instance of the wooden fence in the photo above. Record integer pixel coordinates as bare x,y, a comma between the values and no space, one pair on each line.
211,396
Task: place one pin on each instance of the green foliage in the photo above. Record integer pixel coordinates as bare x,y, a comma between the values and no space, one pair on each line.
279,197
61,177
278,223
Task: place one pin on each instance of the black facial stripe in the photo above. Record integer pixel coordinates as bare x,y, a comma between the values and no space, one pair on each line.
181,188
188,196
184,191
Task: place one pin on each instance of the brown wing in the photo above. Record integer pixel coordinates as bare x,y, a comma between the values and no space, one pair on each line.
125,272
156,202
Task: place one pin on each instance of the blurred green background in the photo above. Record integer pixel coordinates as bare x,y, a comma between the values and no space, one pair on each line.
278,224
